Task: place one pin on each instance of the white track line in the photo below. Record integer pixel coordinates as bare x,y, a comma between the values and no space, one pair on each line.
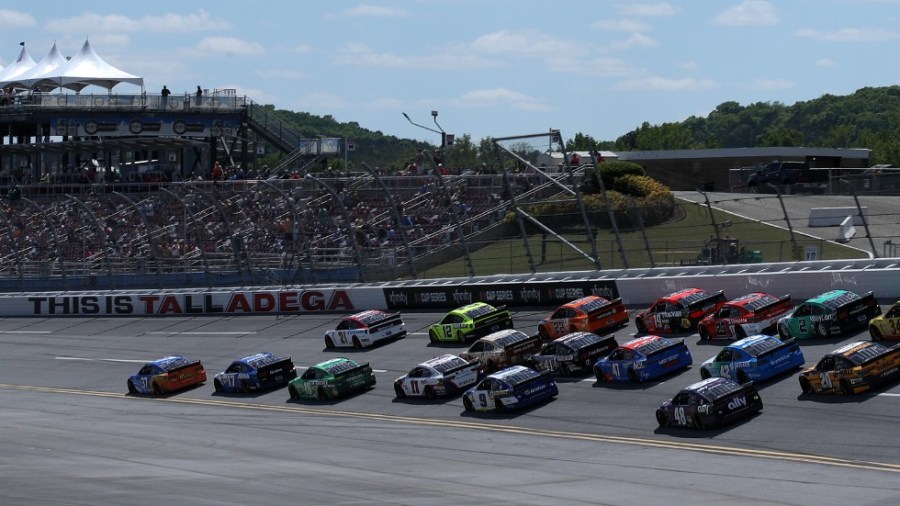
25,331
87,359
197,333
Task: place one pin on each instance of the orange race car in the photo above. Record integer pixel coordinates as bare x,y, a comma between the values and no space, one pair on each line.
167,375
587,314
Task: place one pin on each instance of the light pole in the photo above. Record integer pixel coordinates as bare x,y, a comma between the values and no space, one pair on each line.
434,115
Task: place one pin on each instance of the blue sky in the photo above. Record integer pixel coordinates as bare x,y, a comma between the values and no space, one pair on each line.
490,68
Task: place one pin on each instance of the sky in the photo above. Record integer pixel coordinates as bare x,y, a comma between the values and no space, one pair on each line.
496,68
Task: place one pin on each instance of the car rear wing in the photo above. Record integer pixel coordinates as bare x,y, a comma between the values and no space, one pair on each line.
285,365
391,320
866,300
542,378
498,314
612,304
786,344
893,350
352,370
671,346
783,300
712,298
469,364
196,365
727,402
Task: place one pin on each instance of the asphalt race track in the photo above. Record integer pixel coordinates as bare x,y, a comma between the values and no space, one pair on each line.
70,435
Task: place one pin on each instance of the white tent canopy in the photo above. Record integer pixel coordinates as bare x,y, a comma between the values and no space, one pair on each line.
84,69
16,68
32,77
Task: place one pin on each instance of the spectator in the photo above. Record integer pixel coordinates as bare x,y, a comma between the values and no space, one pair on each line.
165,97
217,172
199,95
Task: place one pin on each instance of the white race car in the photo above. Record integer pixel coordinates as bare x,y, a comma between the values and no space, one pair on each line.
365,329
443,375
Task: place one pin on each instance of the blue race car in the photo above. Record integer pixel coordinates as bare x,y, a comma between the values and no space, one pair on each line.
512,388
643,359
256,372
754,358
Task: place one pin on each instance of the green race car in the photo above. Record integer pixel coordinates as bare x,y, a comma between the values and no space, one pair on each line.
332,379
470,322
829,314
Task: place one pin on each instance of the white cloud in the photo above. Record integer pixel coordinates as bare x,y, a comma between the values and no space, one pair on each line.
167,23
15,19
621,25
771,84
230,46
301,48
688,65
449,59
280,74
374,11
323,101
656,83
826,62
635,40
496,97
748,13
849,34
639,9
526,43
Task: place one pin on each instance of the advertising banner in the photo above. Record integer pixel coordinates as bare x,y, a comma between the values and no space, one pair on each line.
123,126
511,294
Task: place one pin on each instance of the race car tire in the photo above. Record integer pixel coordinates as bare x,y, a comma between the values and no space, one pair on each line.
876,334
661,419
698,421
490,366
543,334
432,336
245,387
742,377
632,376
329,343
805,386
156,389
499,406
564,370
292,392
460,337
846,388
704,333
704,374
739,333
430,394
686,324
599,375
820,330
321,395
639,325
399,392
131,389
218,386
784,332
356,343
467,404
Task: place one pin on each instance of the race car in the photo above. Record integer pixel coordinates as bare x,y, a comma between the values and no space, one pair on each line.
572,353
503,348
470,322
256,372
439,376
852,368
753,313
678,312
513,388
332,379
710,403
886,326
165,375
643,359
755,358
829,314
589,314
365,329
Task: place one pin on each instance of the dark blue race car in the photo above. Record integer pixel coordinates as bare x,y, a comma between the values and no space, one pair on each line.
754,358
256,372
512,388
643,359
709,403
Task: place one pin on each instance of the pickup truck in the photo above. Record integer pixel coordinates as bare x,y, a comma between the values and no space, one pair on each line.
792,176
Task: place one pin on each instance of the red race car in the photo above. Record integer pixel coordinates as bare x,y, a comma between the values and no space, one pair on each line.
747,315
678,312
587,314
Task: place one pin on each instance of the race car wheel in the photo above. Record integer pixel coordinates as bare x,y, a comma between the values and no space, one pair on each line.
499,406
131,389
599,375
632,376
329,343
356,343
805,386
460,337
704,374
661,419
245,388
821,329
686,323
543,334
156,389
698,422
218,386
876,334
846,388
467,404
292,392
564,370
401,394
639,325
784,332
429,393
742,377
490,366
704,333
321,395
740,333
432,336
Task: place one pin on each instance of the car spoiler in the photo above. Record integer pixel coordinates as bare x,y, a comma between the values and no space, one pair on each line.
456,369
352,370
543,377
285,364
671,346
189,365
490,318
714,297
602,343
862,300
890,351
747,388
612,303
787,343
391,320
781,300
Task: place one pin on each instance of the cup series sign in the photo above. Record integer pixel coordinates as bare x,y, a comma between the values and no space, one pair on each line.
512,294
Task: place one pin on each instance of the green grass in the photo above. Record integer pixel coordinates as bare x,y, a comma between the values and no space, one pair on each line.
672,243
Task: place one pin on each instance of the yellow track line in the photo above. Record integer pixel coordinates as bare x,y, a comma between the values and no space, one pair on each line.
509,429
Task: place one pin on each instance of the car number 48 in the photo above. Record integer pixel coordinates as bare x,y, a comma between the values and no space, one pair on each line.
680,418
